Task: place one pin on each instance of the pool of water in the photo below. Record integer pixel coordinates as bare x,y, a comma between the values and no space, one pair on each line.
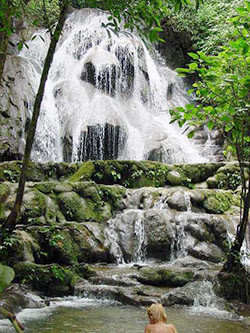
93,316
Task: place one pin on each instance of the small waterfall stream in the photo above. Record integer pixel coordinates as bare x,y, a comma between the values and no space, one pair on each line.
106,98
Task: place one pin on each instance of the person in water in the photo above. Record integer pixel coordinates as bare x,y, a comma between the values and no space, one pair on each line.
158,318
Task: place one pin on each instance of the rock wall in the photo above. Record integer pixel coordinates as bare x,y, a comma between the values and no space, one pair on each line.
74,214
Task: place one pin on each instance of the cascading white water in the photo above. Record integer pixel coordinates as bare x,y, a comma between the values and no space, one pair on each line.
106,98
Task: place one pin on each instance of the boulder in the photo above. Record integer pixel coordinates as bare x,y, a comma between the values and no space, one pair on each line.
51,280
159,233
165,276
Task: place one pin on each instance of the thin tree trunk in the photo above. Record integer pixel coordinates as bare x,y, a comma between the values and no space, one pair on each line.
233,261
18,327
12,219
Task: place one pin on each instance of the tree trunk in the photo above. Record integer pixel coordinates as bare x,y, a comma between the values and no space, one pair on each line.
18,327
4,37
233,259
12,219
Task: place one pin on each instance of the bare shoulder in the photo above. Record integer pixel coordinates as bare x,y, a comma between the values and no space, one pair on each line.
172,328
147,329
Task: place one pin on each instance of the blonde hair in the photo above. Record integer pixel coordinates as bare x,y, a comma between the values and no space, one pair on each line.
157,313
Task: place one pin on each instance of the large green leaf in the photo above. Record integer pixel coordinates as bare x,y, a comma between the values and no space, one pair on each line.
7,274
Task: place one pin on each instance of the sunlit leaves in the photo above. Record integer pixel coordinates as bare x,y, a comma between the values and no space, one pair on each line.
222,93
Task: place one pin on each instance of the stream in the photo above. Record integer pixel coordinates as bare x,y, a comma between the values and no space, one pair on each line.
92,316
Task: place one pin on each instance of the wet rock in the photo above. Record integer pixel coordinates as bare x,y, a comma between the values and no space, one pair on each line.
165,277
177,200
199,292
26,247
159,234
18,297
89,239
206,251
16,100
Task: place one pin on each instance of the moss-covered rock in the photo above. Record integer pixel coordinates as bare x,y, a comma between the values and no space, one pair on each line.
87,189
176,178
198,173
165,277
131,174
72,206
4,192
85,172
83,270
34,205
226,177
46,187
10,171
114,195
89,238
51,280
177,200
56,244
197,196
26,248
216,202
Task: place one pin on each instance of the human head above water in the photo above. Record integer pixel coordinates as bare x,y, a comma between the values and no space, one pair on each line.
156,313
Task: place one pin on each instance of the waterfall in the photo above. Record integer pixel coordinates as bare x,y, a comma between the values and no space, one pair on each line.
107,97
206,301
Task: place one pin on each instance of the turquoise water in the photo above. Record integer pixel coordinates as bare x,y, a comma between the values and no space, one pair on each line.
92,316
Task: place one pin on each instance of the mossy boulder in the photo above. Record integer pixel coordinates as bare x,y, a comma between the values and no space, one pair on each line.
85,172
176,178
72,206
216,202
26,247
4,192
198,173
131,174
165,277
10,171
34,205
217,181
87,189
56,245
114,195
46,187
226,177
90,240
51,280
83,270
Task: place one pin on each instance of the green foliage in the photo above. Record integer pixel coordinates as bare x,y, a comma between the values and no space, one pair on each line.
11,175
55,238
8,240
222,93
232,181
209,28
7,274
